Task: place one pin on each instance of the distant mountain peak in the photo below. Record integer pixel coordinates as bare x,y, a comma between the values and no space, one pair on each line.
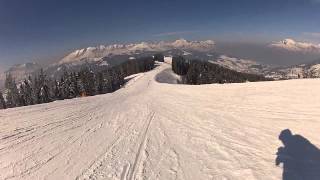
288,41
296,46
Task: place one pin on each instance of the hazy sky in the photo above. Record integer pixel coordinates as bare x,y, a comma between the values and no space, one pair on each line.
34,30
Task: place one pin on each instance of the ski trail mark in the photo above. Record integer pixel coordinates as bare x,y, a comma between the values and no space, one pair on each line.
141,150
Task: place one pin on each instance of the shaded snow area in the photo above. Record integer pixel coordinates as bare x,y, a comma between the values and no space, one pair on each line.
167,76
152,130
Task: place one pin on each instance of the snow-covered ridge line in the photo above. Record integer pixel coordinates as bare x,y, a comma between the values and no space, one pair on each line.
296,46
98,52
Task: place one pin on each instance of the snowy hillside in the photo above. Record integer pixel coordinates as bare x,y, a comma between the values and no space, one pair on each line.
240,65
152,130
99,52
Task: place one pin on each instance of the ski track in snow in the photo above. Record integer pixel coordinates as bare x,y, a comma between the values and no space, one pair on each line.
151,130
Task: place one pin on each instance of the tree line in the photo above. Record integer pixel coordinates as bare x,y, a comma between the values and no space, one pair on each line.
202,72
87,82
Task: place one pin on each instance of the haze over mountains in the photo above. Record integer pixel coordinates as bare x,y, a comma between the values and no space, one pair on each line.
280,53
282,59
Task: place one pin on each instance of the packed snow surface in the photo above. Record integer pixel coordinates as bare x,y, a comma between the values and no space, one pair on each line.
152,130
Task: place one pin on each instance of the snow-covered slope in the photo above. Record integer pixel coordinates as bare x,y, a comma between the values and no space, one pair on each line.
295,46
151,130
97,53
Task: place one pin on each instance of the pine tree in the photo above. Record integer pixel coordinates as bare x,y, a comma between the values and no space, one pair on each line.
41,88
158,57
11,91
75,84
22,95
101,83
56,91
71,86
61,89
65,86
88,81
36,91
2,102
45,94
108,81
91,84
28,91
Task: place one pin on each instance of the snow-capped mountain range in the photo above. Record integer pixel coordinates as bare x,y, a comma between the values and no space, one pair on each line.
108,55
99,52
296,46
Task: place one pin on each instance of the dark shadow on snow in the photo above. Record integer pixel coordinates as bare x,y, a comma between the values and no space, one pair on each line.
300,158
168,77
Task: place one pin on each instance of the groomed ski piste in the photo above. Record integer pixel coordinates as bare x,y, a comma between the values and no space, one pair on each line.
152,129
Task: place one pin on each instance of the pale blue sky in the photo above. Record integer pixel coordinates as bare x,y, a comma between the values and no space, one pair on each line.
41,30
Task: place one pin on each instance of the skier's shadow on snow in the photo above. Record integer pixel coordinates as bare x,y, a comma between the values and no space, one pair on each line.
300,158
